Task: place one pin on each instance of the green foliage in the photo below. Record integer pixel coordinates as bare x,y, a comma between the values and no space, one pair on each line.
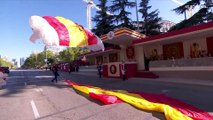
119,8
151,20
182,9
71,54
30,62
202,16
38,59
5,63
196,19
104,22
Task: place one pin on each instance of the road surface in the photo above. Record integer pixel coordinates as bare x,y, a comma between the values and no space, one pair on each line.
30,95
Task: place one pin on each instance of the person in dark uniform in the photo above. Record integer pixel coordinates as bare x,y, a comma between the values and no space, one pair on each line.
123,70
55,72
70,68
77,67
99,67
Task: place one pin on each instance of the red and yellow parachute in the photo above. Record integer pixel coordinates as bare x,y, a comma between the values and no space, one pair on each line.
59,31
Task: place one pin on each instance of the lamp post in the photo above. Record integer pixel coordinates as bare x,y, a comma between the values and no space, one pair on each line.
36,55
137,15
36,60
45,56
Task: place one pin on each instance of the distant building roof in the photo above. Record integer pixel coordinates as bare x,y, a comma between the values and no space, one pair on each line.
55,49
165,25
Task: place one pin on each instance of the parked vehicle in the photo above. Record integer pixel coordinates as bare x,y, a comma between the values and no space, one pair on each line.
2,79
5,69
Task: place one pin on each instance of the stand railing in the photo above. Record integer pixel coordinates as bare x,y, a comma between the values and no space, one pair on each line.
191,62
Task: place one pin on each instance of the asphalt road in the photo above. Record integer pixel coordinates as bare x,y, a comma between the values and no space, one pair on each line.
29,95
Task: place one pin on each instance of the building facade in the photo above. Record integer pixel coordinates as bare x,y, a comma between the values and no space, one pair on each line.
22,60
185,50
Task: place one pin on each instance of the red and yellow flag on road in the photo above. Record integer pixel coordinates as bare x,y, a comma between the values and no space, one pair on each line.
173,109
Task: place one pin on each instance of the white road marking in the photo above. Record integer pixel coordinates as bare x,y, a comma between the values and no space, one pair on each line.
41,89
15,77
44,76
165,91
35,111
38,89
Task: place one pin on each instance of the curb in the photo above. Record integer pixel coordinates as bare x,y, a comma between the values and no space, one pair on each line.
180,81
208,83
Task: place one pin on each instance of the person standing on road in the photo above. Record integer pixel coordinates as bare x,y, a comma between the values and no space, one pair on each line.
55,72
123,70
99,67
77,67
70,68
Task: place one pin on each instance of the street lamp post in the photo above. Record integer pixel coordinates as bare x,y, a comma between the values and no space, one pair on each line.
36,55
137,15
46,55
36,60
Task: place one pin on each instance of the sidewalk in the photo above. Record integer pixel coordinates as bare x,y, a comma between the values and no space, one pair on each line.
202,82
179,81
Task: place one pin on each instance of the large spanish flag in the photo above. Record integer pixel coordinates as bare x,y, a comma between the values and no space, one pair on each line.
173,109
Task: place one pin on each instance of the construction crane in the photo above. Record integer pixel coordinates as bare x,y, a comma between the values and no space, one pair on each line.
188,13
91,4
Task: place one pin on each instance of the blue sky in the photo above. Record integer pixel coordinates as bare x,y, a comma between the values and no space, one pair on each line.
14,19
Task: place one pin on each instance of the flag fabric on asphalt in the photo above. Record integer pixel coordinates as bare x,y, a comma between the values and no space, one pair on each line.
173,109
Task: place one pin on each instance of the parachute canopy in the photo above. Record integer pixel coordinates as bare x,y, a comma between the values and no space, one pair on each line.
59,31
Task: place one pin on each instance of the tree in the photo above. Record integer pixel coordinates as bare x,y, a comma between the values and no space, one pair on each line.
5,63
37,59
42,56
104,21
71,53
120,7
202,16
31,61
151,21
